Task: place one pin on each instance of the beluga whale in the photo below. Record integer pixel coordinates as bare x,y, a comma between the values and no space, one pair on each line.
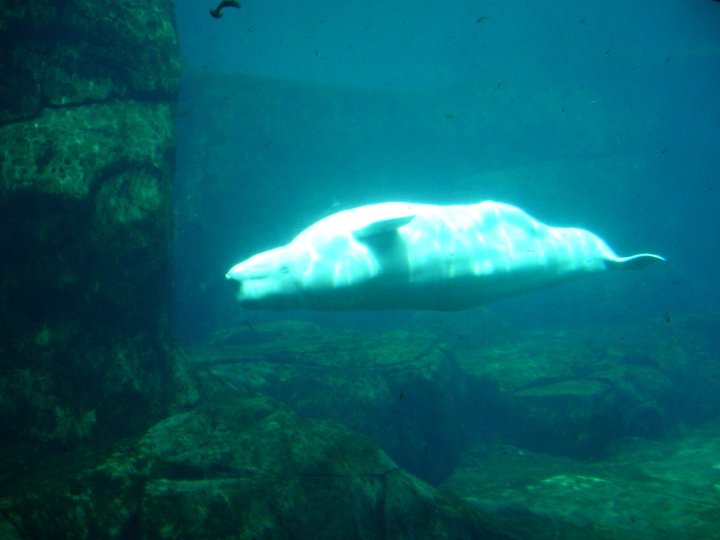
397,255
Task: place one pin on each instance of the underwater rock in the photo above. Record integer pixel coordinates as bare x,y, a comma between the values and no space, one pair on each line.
401,388
574,392
79,51
86,162
425,395
240,467
643,489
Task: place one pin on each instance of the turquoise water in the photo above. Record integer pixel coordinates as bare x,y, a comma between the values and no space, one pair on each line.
602,116
572,412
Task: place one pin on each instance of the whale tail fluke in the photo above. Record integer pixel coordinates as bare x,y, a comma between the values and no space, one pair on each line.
634,262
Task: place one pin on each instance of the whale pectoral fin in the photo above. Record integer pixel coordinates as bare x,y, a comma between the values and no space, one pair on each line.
383,226
634,262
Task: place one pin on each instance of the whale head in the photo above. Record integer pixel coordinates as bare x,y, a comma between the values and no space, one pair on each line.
270,279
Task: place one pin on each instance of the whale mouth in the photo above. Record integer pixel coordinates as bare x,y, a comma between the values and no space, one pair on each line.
236,273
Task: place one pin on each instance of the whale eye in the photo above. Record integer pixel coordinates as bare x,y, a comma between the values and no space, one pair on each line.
284,269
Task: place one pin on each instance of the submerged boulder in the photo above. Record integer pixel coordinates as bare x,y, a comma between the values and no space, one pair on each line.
240,467
403,389
426,394
644,489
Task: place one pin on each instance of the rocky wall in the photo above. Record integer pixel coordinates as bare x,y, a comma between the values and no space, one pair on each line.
87,107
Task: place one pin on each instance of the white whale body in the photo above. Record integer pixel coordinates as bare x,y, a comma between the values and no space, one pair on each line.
398,255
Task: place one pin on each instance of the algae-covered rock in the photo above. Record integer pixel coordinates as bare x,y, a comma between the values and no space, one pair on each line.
73,152
404,389
77,51
575,391
243,467
425,395
86,162
644,489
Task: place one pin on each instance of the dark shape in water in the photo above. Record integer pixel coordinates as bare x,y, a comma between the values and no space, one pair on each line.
217,12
